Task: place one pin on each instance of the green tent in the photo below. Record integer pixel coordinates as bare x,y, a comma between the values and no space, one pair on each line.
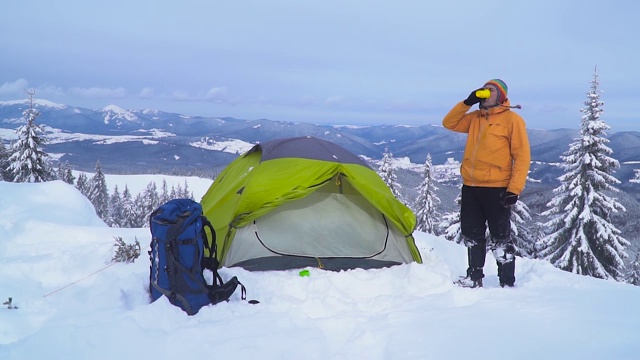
298,202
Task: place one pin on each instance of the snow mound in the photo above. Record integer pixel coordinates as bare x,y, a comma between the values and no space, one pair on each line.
73,303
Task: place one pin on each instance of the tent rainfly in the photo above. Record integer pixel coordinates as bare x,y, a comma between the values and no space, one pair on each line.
299,202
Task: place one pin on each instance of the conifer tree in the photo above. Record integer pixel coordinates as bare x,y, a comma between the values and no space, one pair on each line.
164,195
174,192
65,174
185,190
60,172
98,193
582,238
386,172
636,176
450,224
28,162
115,209
523,233
5,175
633,274
427,201
151,199
140,214
129,214
187,194
82,184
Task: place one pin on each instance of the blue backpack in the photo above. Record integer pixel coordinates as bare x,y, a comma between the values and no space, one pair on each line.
178,240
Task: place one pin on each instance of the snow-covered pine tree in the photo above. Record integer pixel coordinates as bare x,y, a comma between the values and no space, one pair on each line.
174,192
98,193
151,199
164,195
4,162
427,202
65,174
636,177
140,214
536,231
187,194
115,210
450,224
523,233
633,274
129,213
82,184
60,172
386,172
28,162
581,237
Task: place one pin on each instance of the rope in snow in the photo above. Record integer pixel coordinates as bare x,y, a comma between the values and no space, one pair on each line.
88,276
77,281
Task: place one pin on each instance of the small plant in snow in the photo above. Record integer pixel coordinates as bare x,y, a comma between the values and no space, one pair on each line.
127,253
9,304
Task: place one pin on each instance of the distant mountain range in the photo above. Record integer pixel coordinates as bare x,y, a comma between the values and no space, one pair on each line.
148,139
153,141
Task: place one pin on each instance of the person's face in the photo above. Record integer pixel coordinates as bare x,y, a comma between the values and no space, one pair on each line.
493,99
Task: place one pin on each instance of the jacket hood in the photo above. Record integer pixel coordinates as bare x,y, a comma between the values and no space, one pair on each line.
505,106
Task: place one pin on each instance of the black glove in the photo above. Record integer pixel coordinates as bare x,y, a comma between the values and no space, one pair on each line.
473,99
508,198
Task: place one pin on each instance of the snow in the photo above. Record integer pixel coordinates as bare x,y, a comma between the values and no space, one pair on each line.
405,163
351,126
74,304
55,136
116,112
233,146
8,134
36,103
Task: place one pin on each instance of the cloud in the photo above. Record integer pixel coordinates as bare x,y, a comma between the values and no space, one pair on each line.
216,94
15,87
306,101
549,108
180,95
47,90
96,92
335,100
147,93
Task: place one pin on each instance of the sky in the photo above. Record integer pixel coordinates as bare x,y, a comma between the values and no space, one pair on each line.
73,303
362,62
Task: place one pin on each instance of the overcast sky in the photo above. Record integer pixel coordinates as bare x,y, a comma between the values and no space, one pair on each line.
329,62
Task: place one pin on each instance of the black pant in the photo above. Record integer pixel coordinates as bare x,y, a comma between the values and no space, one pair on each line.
481,206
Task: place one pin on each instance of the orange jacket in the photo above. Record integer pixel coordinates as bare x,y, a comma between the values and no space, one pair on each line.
497,153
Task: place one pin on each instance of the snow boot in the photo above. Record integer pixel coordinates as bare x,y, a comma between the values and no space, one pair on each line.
466,282
502,284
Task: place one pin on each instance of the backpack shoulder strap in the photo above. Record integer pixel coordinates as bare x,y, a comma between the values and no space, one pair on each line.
219,290
211,262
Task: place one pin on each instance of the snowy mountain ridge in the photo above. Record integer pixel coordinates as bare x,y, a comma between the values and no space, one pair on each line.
37,103
113,112
152,139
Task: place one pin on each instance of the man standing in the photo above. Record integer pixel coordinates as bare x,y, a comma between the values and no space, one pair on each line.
494,170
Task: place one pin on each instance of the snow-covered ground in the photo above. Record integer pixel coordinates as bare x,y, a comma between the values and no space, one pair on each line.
73,303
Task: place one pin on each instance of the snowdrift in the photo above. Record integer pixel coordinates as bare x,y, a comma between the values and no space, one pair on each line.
74,304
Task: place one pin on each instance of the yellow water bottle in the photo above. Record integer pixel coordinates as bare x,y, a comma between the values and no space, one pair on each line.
483,93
